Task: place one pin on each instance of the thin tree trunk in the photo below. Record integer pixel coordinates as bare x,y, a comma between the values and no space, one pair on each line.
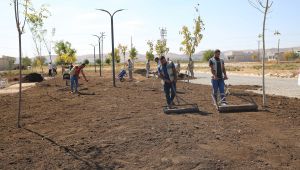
102,61
20,79
124,61
264,54
95,59
258,51
100,70
278,51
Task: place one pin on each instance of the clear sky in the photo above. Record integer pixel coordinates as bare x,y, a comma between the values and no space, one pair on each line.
229,24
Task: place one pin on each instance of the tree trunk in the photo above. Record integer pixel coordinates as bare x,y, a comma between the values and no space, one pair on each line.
100,67
258,51
264,54
124,61
95,59
278,52
20,79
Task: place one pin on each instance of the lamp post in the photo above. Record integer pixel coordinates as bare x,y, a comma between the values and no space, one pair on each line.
112,40
99,39
258,43
102,37
277,33
94,55
52,33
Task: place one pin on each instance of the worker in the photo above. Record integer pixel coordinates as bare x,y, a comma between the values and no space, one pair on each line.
178,67
74,73
148,68
50,69
130,69
54,69
218,72
169,76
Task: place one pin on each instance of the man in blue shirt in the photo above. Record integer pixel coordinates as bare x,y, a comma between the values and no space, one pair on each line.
169,76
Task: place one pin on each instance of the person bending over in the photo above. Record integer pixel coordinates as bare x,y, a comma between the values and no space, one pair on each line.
74,73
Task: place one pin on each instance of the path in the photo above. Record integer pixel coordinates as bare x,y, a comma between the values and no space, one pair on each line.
15,88
274,86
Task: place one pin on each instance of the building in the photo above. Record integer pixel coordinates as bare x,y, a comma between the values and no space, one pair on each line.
239,56
273,56
7,63
297,52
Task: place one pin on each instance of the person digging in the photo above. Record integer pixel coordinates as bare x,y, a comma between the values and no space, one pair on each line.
169,76
74,73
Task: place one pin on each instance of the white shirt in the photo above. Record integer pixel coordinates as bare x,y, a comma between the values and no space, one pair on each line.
50,66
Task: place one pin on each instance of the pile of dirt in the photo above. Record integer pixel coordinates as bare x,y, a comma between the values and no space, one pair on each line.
141,71
184,76
33,77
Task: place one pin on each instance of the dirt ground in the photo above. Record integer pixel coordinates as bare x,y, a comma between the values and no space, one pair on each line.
125,128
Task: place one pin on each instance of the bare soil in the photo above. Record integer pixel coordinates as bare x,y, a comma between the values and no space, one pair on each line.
125,128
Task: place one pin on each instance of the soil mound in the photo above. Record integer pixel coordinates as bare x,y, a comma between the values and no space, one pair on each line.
141,71
33,77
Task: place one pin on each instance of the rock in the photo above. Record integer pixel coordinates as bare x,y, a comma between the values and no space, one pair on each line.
165,161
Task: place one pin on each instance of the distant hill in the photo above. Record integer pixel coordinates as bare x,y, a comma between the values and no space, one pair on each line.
173,56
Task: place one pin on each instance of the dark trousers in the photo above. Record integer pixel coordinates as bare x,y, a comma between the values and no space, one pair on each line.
170,91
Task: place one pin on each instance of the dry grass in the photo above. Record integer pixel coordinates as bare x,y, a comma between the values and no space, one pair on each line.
283,68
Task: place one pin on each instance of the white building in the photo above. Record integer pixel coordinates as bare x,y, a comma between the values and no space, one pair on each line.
273,56
238,56
7,63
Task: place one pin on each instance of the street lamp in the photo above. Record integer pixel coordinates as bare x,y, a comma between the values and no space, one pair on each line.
112,40
277,33
52,33
102,37
258,44
99,39
94,55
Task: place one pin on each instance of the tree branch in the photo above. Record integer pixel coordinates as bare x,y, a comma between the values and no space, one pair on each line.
25,16
271,4
256,6
261,4
16,13
17,16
